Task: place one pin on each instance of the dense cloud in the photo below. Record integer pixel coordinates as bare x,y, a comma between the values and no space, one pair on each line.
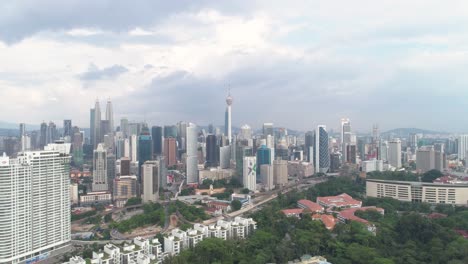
295,64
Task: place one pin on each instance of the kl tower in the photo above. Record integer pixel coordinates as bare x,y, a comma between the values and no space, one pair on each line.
227,118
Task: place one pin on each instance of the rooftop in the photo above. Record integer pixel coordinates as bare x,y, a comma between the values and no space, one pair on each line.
341,200
348,214
314,207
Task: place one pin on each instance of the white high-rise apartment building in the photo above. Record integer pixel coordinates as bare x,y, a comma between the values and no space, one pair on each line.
134,148
462,146
394,153
100,169
150,181
192,151
250,173
35,204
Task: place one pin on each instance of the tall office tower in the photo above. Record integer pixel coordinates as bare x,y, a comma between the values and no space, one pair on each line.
462,147
268,129
170,132
227,118
105,130
425,159
413,141
22,129
192,149
280,172
124,188
96,125
145,148
383,151
263,156
92,128
210,129
266,175
225,157
67,128
250,173
134,148
35,204
124,127
375,133
25,143
111,170
52,134
170,151
351,154
162,171
100,169
150,181
77,146
157,136
110,116
321,152
212,150
394,153
127,148
308,142
335,162
43,136
440,156
241,152
345,136
125,166
245,132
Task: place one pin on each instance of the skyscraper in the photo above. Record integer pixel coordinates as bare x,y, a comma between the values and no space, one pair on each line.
227,123
309,142
250,173
110,116
263,157
35,204
170,131
52,134
157,137
345,137
150,181
321,152
43,135
100,169
212,151
425,159
145,149
97,124
124,127
462,147
170,151
22,129
268,129
394,153
192,149
67,128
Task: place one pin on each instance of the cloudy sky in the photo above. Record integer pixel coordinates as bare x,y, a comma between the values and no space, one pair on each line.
295,63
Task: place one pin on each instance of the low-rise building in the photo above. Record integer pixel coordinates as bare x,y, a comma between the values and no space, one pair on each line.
418,191
310,206
339,201
295,212
91,198
349,215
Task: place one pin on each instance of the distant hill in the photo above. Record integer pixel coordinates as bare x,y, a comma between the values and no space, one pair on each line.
404,132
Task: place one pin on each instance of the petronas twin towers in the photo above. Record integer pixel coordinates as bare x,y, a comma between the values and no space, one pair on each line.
100,127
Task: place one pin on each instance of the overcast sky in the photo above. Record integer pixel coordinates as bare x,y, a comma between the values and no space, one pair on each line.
295,63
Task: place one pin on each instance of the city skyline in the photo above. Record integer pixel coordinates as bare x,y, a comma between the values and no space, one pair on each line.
373,65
